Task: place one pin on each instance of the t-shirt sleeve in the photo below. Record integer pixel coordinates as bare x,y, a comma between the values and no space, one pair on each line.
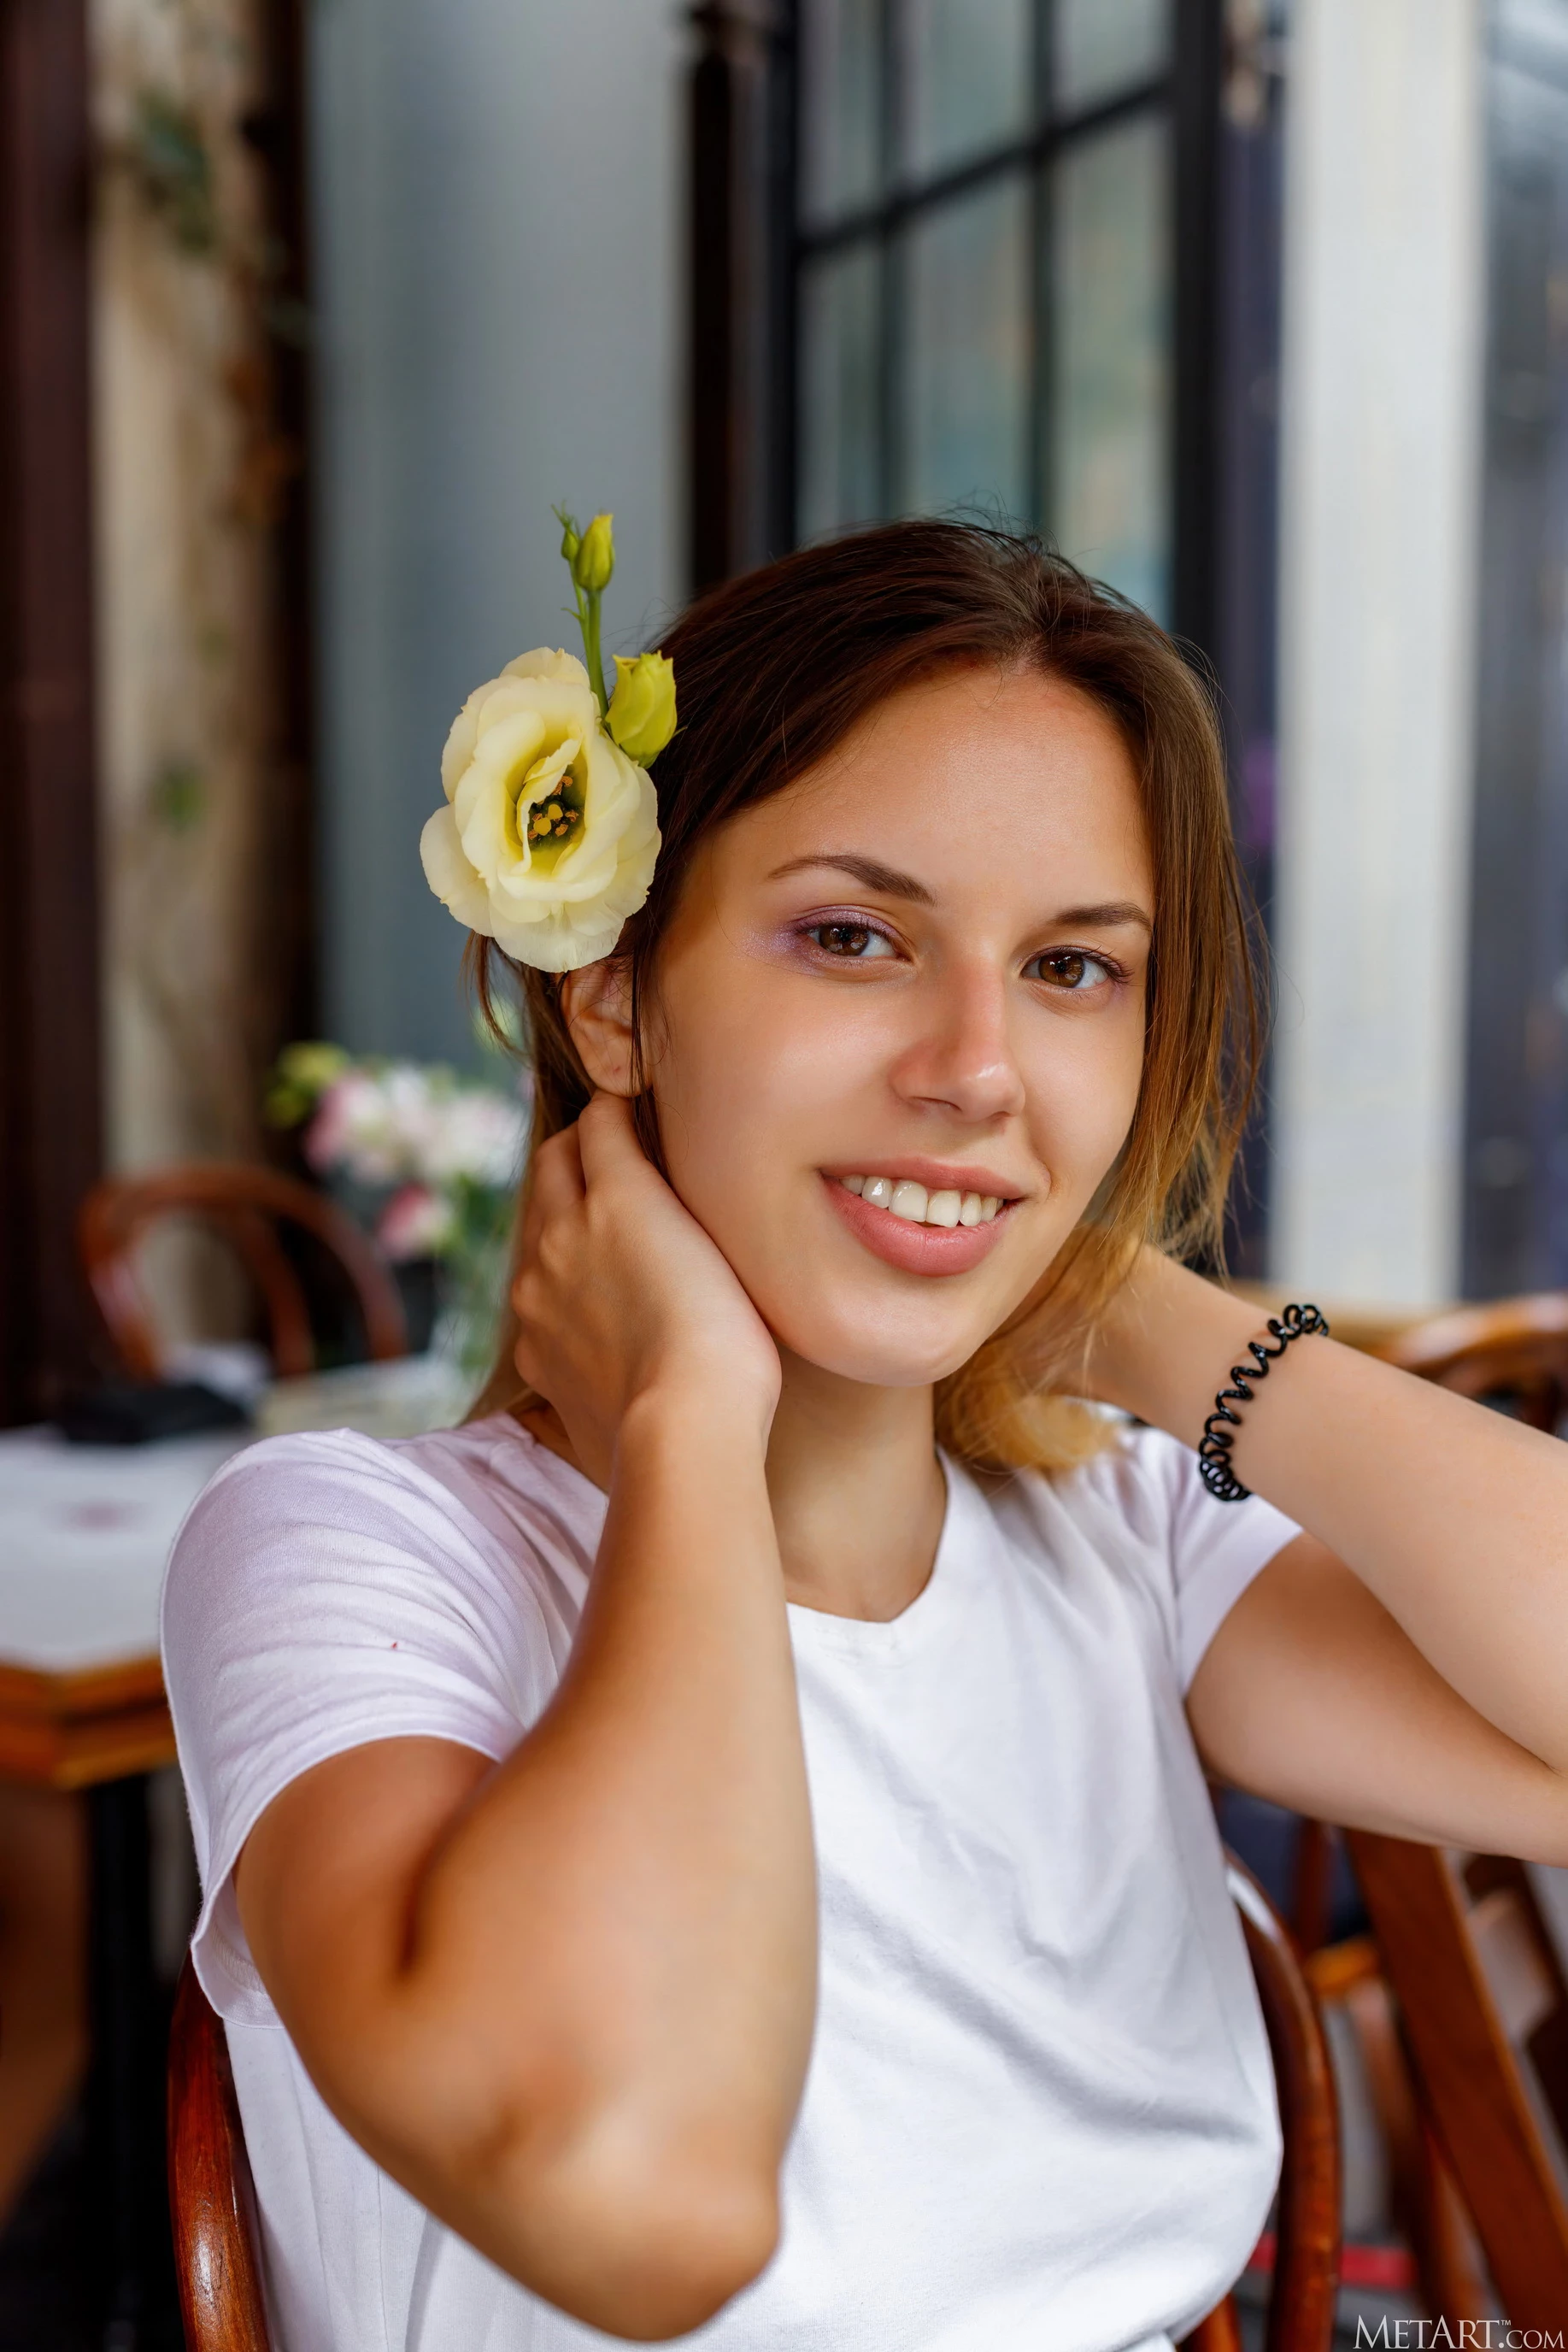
1216,1549
325,1591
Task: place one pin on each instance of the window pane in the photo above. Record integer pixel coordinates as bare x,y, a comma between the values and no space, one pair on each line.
841,104
967,363
1104,45
967,65
838,324
1110,466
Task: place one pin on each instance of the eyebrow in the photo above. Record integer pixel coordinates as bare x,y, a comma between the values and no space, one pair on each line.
1112,914
886,880
1116,914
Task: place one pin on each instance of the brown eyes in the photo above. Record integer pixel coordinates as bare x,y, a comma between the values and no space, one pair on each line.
1070,969
853,941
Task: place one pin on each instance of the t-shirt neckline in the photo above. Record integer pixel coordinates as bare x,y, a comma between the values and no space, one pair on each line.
964,1518
964,1513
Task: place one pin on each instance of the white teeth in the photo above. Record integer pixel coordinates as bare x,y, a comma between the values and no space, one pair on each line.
916,1206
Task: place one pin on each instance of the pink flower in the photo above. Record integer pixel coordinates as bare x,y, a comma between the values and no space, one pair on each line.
415,1222
351,1128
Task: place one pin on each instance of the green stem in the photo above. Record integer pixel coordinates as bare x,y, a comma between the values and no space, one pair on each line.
591,646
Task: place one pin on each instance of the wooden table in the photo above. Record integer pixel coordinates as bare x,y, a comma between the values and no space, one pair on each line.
84,1535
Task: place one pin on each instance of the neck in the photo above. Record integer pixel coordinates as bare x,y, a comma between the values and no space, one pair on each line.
853,1476
856,1491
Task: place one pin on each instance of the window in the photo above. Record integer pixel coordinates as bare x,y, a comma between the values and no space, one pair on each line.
984,287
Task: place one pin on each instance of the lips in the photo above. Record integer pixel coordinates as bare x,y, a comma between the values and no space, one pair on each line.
917,1246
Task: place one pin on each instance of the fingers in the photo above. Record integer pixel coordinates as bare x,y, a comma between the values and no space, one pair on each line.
607,1138
558,1185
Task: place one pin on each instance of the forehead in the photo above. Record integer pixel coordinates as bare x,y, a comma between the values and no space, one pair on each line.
975,774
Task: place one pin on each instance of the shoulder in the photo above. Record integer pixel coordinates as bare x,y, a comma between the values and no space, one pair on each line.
472,1542
1140,1512
457,1492
1131,1492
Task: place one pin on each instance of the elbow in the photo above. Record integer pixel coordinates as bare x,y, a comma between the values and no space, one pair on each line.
643,2246
672,2265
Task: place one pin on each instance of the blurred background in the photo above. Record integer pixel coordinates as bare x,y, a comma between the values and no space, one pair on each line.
311,309
1258,310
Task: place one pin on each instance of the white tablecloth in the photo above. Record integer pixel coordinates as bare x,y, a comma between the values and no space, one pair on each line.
85,1531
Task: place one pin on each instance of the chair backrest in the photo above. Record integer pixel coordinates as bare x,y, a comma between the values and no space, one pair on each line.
1424,2200
1515,1348
246,1204
211,2197
1307,2239
1484,2008
213,2202
1473,1971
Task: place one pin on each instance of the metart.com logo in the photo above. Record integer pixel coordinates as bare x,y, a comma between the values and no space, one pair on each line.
1429,2334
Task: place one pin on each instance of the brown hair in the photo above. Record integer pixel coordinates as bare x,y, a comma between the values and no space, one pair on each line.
773,670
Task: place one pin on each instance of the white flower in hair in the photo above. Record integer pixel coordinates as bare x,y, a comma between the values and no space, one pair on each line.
550,835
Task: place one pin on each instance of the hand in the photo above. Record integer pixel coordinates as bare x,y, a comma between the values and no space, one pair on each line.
621,1293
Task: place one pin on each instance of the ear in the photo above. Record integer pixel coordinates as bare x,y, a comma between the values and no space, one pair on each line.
597,1003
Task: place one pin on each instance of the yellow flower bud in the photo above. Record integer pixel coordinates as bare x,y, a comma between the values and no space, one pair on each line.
642,708
595,558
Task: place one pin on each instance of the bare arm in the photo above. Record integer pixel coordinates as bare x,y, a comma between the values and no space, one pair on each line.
569,2002
1408,1668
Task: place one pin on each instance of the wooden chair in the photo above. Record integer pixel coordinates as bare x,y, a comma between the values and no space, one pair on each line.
1306,2259
1460,2007
1512,1349
212,2199
1483,2006
1515,1348
1425,2204
246,1204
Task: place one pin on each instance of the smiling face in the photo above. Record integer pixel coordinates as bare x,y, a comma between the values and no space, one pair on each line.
906,988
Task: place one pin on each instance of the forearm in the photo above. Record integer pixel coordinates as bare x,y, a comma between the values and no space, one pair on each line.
1456,1518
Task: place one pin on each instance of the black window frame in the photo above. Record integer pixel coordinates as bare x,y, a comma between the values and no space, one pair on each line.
1187,92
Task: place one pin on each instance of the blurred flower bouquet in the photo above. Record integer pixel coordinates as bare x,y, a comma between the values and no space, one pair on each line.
428,1160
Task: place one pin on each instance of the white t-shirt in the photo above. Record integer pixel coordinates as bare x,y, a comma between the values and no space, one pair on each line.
1040,2114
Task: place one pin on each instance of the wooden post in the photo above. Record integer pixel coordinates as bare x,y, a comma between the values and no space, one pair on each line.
741,217
50,1116
290,915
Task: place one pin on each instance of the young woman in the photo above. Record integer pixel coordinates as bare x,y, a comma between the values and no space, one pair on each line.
720,1842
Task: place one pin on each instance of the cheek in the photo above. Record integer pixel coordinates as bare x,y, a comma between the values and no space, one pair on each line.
1082,1092
736,1087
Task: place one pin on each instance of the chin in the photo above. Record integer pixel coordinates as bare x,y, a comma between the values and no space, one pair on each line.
865,1349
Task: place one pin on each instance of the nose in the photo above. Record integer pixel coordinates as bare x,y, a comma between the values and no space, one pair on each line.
961,1060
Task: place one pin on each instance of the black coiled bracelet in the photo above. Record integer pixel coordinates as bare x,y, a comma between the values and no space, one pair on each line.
1213,1452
